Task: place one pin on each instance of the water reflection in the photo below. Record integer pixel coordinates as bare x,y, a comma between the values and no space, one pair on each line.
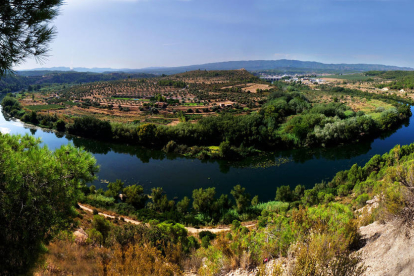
179,176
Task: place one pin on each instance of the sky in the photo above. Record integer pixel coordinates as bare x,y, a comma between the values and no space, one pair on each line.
164,33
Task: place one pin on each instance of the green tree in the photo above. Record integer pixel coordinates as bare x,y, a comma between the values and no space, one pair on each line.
160,201
283,193
101,225
24,30
114,188
298,192
60,125
38,189
241,197
92,189
224,149
255,200
355,174
135,196
203,199
182,205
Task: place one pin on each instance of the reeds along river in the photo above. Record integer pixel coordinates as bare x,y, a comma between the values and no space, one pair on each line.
179,176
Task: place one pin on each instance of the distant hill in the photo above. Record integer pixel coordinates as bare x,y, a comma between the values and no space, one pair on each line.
282,65
22,79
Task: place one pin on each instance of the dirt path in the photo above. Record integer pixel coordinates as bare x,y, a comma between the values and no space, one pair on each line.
191,230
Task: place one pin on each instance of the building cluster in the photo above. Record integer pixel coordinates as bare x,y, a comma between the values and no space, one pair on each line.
293,78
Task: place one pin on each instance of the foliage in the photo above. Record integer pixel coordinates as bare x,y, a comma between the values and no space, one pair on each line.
91,127
241,197
38,189
25,31
203,199
135,196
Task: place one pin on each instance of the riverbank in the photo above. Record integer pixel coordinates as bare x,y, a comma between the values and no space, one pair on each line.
179,176
319,125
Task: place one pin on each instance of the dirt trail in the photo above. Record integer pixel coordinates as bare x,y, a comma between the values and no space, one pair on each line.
191,230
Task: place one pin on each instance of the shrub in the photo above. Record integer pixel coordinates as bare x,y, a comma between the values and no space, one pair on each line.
283,193
60,125
235,225
343,190
362,199
208,234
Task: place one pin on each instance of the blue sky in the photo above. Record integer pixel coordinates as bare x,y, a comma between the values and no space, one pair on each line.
146,33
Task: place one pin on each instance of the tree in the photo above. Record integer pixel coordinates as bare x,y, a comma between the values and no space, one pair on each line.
101,225
203,199
283,193
224,149
114,188
135,196
255,200
242,198
160,202
38,189
182,206
298,192
60,125
24,30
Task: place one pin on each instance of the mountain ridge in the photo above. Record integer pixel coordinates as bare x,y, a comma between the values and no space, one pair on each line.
250,65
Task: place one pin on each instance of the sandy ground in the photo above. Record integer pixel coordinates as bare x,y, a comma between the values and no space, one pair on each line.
388,251
191,230
252,87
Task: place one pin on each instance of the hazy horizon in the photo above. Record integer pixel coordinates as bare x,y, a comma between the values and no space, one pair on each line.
155,67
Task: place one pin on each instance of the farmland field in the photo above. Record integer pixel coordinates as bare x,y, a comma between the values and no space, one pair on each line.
163,99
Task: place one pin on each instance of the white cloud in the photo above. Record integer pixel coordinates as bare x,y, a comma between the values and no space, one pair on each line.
5,130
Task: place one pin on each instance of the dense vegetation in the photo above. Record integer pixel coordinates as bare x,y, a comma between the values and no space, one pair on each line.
315,233
285,120
206,208
297,219
38,190
399,79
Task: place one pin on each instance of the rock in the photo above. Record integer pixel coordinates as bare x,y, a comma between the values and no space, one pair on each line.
80,236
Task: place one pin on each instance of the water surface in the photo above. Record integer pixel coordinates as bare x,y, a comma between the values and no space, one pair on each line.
179,176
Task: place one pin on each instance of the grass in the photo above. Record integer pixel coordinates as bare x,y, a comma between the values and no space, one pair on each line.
372,105
192,104
214,149
272,206
44,107
161,121
70,103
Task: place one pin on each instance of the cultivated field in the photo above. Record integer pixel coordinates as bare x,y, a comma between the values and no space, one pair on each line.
164,100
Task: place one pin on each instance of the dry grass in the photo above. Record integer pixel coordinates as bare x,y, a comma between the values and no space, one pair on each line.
65,257
252,87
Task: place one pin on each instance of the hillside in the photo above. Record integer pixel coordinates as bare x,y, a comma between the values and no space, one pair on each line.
22,79
252,65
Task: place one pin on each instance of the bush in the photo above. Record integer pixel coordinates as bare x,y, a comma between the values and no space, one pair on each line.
91,127
361,200
343,190
283,193
208,234
235,225
60,125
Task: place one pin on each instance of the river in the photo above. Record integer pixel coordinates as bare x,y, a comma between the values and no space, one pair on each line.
179,176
